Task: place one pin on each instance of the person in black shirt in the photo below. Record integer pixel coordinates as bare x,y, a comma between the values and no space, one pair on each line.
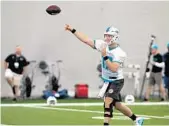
14,68
166,70
156,73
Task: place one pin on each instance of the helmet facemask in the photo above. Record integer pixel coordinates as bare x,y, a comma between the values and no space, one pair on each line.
113,33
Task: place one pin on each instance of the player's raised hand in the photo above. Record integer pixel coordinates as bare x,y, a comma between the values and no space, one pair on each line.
68,27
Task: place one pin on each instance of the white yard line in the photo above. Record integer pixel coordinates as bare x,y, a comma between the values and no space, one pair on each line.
35,105
90,111
84,104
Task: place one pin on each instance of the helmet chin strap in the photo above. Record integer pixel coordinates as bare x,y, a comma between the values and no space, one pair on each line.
111,42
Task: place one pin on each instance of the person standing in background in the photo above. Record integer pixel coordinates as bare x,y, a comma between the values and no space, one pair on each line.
156,73
166,69
15,65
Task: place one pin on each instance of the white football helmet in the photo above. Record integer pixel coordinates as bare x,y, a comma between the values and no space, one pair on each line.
114,32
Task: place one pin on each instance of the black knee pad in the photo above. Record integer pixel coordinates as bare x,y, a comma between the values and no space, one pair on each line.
114,102
110,110
13,89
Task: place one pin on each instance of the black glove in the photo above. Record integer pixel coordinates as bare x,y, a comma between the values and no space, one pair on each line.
148,69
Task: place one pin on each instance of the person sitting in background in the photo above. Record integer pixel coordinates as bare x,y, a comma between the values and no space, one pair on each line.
166,70
156,73
15,64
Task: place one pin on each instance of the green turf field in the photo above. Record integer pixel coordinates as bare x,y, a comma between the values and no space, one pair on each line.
69,114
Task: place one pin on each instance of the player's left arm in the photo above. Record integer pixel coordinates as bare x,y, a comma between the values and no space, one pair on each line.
25,64
160,62
115,64
7,60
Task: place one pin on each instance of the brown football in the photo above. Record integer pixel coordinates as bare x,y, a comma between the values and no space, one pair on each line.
53,10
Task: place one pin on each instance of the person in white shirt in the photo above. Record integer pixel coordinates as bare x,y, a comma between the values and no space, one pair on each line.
113,58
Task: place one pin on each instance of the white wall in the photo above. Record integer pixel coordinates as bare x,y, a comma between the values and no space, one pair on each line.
43,37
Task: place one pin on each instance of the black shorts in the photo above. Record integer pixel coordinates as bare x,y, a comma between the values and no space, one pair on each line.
114,88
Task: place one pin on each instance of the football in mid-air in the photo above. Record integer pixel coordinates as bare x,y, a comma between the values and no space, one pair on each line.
53,10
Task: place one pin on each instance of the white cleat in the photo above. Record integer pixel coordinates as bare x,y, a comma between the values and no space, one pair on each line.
139,121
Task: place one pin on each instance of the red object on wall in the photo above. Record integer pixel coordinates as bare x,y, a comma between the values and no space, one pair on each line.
81,91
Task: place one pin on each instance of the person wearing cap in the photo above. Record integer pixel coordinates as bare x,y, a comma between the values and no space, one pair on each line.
166,70
15,65
156,73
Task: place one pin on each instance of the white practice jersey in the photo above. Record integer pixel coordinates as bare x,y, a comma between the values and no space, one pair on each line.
115,55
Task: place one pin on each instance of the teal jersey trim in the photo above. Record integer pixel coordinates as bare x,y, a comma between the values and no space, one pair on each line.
117,62
106,80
